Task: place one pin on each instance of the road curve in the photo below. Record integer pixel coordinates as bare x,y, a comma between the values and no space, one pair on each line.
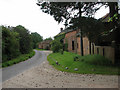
14,70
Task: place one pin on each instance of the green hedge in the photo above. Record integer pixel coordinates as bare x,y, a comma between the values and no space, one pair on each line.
20,58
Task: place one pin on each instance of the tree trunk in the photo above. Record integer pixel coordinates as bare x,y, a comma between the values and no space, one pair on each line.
81,38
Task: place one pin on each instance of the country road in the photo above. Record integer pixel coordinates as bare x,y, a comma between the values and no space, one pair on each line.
16,69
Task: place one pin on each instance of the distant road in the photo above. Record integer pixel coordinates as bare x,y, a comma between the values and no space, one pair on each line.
37,59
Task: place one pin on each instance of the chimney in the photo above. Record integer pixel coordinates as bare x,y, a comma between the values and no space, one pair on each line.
61,29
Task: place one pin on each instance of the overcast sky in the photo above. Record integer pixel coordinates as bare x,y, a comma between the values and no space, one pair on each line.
29,15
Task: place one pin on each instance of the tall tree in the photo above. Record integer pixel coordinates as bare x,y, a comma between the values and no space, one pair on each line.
10,44
25,39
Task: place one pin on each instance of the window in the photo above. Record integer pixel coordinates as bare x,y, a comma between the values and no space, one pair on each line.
72,45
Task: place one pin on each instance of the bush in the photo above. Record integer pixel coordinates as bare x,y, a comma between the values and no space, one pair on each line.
56,46
61,51
18,59
66,47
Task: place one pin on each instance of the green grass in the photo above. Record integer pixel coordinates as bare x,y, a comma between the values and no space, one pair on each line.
89,64
20,58
40,49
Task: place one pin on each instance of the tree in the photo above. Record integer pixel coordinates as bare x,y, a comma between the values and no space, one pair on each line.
25,39
91,27
10,44
36,38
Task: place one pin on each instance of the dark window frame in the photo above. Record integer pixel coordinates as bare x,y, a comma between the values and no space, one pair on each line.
73,46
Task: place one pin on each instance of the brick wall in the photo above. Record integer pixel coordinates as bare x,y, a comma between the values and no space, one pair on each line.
44,44
71,36
40,46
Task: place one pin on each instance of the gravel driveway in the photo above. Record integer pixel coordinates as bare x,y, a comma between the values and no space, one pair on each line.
45,76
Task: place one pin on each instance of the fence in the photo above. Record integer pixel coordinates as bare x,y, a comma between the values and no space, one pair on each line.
107,51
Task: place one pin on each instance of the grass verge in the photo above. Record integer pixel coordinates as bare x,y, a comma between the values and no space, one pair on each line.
20,58
89,64
40,49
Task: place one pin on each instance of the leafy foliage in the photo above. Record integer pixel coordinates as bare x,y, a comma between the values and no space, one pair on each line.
36,38
16,41
57,43
18,59
10,44
91,27
65,46
63,11
56,46
25,39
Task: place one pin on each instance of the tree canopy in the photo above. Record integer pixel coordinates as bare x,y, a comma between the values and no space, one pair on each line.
36,38
25,39
10,44
63,11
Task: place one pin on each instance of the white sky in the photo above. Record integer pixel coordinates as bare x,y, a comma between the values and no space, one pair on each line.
29,15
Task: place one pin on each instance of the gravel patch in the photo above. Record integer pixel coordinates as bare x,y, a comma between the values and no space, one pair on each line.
45,76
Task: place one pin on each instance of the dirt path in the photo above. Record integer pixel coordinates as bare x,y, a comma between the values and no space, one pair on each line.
45,76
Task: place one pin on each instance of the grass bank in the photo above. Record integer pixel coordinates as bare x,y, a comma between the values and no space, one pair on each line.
20,58
89,64
40,49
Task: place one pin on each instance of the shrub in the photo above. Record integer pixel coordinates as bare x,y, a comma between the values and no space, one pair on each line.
61,51
66,47
56,46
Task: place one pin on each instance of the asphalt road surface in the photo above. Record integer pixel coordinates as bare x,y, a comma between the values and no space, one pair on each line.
14,70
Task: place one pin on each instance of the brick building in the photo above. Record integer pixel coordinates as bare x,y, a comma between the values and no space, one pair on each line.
73,40
45,44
